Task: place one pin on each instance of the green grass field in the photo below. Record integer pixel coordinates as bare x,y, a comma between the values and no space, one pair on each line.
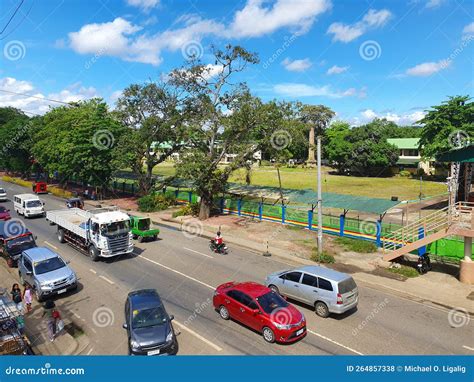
299,178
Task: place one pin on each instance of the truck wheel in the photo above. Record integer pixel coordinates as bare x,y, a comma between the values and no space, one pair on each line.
93,253
140,239
134,237
61,235
155,237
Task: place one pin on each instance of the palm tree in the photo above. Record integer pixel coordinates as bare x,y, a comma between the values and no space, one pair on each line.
318,118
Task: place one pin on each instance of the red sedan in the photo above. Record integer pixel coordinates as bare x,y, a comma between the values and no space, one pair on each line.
261,309
4,214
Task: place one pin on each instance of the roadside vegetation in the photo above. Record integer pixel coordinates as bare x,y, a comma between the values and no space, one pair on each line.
404,270
359,246
155,202
326,257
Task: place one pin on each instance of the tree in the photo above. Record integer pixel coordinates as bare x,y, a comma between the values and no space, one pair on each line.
77,141
156,118
15,134
337,148
229,120
317,117
447,126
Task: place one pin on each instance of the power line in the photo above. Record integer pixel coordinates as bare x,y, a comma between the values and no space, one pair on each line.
12,16
21,21
37,97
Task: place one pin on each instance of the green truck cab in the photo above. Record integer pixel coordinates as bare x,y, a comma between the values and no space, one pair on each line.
141,228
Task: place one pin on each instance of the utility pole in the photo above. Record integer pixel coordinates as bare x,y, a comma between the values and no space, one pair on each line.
320,201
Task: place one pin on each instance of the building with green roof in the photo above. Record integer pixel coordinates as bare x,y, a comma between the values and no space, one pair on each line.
409,156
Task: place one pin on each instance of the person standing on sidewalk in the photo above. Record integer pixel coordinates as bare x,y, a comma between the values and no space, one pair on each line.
27,298
16,296
51,313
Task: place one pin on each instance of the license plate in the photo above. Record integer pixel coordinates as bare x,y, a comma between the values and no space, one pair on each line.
154,352
299,332
62,291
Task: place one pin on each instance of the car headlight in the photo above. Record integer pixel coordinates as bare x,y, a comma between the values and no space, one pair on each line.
134,344
169,337
72,277
282,327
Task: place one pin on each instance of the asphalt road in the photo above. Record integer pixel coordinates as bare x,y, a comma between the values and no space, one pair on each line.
185,273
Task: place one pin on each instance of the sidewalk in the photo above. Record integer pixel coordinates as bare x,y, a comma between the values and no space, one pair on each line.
294,245
35,326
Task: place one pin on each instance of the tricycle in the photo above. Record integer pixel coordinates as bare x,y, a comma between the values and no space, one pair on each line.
141,228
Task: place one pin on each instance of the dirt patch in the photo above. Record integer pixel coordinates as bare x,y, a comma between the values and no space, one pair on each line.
74,330
470,296
345,268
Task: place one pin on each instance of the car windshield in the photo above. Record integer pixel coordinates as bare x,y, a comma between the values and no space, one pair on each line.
271,301
34,203
20,243
347,285
49,265
115,228
144,224
3,209
149,317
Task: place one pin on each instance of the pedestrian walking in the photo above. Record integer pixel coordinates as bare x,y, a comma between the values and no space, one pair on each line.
51,315
27,298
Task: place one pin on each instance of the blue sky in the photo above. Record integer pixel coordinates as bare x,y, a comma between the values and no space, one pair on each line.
363,59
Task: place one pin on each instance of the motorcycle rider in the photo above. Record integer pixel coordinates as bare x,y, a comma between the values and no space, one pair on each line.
218,241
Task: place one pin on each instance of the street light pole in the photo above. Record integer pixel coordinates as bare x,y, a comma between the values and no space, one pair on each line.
320,201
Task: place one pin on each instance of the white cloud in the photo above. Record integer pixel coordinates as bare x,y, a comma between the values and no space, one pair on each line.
337,69
257,19
296,65
145,5
427,68
400,119
468,29
295,90
119,38
431,4
348,32
36,103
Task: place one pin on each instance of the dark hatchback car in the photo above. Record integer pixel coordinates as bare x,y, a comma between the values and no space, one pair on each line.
4,214
148,325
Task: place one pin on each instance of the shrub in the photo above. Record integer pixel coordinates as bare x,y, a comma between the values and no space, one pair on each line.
60,192
20,182
188,209
404,174
155,202
325,258
359,246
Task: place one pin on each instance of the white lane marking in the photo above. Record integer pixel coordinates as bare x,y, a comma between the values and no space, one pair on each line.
76,315
199,253
334,342
211,344
106,279
51,245
90,351
468,348
177,272
94,272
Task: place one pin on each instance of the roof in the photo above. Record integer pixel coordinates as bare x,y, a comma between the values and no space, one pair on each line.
404,143
40,253
408,161
27,196
324,272
9,229
464,155
307,197
144,298
251,288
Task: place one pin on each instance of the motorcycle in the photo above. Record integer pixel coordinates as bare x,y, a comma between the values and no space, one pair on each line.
220,249
424,264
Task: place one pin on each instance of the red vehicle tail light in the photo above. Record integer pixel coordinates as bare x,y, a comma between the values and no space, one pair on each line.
339,299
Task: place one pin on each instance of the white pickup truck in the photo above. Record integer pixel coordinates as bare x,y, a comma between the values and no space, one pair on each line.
102,232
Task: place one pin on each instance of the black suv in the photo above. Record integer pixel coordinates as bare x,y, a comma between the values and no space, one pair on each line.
12,244
148,325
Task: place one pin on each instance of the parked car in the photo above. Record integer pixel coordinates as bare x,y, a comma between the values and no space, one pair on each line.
75,203
4,214
3,195
141,228
326,290
148,325
12,244
46,272
260,309
28,205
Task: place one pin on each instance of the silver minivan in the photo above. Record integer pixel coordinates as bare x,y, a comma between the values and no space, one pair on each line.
326,290
46,272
